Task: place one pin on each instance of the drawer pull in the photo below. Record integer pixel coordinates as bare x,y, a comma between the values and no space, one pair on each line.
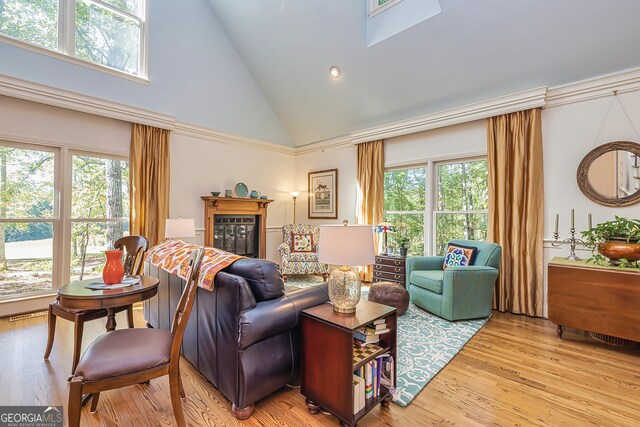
397,262
397,270
397,277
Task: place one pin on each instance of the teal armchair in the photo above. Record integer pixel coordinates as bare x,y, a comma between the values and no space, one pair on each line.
458,292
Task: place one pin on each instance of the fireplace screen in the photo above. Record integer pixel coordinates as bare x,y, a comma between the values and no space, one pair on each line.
237,234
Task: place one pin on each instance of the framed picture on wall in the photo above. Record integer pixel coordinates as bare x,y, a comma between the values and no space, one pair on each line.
323,194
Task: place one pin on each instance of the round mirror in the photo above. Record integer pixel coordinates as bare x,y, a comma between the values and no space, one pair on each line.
610,174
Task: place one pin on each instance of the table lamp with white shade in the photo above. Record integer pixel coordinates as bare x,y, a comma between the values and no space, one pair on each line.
347,246
179,227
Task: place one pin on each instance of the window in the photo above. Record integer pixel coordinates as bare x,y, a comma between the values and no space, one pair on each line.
28,219
99,211
48,236
452,206
104,32
462,202
377,6
404,205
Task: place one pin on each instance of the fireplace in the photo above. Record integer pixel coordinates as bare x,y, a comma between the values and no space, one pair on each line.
237,225
237,234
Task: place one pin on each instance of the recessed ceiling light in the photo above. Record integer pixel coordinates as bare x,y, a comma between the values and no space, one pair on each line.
334,72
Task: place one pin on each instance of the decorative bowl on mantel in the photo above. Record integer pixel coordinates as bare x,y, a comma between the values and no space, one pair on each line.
215,193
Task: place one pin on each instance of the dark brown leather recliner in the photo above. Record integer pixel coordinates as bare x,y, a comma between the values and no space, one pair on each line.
243,336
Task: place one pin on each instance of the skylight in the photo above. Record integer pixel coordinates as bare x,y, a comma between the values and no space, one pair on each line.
377,6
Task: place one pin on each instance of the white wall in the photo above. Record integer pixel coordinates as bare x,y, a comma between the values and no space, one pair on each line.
200,166
569,132
195,74
342,158
25,121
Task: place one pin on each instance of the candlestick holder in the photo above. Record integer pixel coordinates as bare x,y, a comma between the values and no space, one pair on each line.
572,244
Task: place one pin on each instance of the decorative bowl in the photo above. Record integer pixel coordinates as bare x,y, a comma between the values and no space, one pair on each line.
263,197
215,193
615,249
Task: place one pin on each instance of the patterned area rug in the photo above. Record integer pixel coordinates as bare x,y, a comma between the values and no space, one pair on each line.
426,343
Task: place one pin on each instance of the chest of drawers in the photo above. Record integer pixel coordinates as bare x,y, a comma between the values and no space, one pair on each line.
389,269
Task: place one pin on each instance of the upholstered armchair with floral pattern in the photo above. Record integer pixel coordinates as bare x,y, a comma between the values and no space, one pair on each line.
299,251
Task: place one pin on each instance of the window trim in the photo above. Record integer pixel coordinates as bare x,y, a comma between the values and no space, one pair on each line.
66,42
374,9
431,171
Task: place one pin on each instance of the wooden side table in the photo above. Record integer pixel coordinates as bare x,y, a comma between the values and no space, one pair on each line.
328,361
389,268
597,299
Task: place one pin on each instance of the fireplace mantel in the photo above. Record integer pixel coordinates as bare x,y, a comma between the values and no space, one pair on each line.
236,206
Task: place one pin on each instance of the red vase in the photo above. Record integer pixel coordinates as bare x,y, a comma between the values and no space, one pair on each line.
113,270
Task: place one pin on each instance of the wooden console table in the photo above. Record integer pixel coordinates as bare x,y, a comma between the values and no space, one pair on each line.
598,299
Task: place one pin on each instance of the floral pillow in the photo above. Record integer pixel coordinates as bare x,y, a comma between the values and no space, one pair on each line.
302,242
458,255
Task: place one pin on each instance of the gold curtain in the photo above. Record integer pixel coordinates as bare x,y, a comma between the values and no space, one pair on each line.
149,181
514,147
370,176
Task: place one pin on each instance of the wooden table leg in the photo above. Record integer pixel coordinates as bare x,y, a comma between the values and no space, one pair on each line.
313,408
559,331
111,320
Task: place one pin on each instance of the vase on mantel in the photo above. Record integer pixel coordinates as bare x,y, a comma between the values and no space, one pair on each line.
113,269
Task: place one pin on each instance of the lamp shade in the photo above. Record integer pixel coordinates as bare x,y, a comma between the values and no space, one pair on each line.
180,228
346,245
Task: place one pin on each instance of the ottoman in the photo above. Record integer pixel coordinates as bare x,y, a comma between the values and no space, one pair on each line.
389,293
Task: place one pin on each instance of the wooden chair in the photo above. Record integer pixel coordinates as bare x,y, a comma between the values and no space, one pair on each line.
135,247
132,356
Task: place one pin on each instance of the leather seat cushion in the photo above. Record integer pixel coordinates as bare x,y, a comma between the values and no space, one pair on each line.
302,257
430,280
125,351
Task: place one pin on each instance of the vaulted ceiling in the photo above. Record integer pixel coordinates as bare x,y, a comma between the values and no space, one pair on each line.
473,50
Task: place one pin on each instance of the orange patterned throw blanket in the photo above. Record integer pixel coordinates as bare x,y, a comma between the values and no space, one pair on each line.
173,256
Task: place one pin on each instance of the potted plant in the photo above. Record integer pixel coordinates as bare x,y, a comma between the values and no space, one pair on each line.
403,242
617,240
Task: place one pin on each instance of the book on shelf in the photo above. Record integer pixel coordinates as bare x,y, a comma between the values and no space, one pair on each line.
379,321
368,380
386,373
358,393
377,326
365,337
370,330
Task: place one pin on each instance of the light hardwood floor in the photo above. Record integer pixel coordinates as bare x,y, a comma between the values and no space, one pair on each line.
513,372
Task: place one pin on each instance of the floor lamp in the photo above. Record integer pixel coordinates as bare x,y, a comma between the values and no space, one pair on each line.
295,195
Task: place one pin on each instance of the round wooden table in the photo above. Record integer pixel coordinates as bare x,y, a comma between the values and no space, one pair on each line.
76,295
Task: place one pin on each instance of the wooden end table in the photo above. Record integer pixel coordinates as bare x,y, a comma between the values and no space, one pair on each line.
76,296
327,357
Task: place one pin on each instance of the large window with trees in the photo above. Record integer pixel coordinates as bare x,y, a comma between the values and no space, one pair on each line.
404,205
59,210
28,219
99,211
428,212
110,33
462,202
